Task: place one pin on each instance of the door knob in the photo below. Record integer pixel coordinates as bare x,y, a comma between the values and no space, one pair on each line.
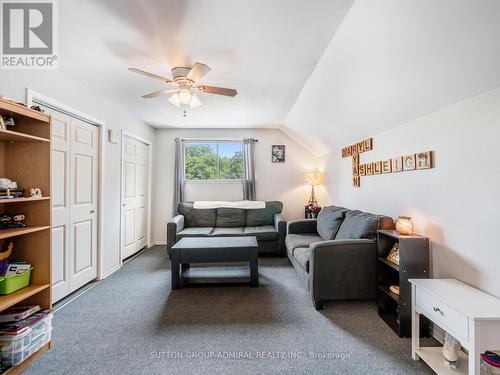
91,211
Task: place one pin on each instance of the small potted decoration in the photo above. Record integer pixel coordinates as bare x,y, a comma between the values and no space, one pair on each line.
404,225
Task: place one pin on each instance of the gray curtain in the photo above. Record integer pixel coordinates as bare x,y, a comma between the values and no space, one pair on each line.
178,176
248,169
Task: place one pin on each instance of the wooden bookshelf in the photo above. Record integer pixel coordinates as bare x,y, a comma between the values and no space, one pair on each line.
13,232
16,110
12,299
23,200
394,309
25,158
12,136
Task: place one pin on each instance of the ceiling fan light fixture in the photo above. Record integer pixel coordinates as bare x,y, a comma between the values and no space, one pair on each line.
184,86
175,100
195,102
185,96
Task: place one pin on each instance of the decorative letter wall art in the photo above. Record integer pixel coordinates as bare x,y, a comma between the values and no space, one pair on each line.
420,160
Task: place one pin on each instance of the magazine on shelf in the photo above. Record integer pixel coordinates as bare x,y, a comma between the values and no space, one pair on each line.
17,313
17,268
16,328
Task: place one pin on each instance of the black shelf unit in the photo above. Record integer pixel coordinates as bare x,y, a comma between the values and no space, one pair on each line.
413,264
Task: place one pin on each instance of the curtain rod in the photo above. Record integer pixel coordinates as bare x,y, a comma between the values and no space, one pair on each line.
216,139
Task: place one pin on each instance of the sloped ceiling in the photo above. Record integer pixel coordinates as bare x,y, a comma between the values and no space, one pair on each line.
393,61
266,49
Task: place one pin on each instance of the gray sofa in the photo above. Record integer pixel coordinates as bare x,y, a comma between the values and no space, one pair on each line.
266,224
335,255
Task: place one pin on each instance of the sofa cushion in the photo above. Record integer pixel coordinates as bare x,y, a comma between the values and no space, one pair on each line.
263,216
265,233
302,255
195,232
294,241
230,218
194,217
329,221
358,225
227,232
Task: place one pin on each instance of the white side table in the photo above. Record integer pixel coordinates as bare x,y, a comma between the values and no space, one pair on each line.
466,313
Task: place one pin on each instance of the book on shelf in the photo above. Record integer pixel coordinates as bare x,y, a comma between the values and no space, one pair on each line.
15,328
16,268
17,313
15,192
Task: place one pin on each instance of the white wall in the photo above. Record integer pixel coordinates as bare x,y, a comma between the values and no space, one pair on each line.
391,62
457,203
274,181
13,84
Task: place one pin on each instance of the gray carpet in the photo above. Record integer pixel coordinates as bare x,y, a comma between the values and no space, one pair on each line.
132,323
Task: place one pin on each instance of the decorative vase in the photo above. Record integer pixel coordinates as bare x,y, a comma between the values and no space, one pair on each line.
404,225
450,349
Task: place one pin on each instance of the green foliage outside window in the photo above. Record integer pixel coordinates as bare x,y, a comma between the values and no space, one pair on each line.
213,161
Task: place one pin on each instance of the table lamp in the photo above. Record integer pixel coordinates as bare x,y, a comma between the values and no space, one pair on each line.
313,178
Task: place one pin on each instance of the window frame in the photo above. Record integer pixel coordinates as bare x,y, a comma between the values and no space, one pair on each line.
216,142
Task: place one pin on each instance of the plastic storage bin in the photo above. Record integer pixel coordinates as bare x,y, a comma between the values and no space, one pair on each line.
9,284
41,327
40,341
15,349
17,342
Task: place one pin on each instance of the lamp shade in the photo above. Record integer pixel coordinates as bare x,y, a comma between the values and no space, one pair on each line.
185,96
313,178
174,99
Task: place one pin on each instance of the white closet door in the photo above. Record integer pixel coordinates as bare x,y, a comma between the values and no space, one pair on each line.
74,188
60,198
135,186
84,195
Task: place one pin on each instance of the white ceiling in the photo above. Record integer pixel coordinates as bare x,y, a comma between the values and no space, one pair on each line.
266,49
393,61
329,72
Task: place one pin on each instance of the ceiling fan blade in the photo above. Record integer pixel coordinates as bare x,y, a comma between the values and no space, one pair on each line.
217,90
197,72
150,75
158,93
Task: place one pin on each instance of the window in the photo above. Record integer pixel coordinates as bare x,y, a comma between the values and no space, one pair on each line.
213,161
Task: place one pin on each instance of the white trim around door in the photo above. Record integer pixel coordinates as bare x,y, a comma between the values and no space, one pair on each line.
34,98
149,188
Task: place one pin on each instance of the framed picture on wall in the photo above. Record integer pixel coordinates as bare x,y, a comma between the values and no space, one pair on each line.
278,153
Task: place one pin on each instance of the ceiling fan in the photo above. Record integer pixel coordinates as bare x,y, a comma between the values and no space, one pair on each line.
185,85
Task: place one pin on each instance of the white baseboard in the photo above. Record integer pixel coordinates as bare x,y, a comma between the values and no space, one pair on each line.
160,243
110,272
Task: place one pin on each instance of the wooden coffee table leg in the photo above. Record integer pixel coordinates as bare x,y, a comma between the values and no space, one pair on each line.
175,271
254,271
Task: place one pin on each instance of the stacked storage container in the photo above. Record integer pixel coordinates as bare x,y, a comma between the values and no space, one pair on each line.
15,347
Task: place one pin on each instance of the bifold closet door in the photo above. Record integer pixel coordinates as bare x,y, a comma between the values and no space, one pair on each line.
74,203
135,187
60,199
83,208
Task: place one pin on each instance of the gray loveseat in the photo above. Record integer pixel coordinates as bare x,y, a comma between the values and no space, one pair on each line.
266,224
335,255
